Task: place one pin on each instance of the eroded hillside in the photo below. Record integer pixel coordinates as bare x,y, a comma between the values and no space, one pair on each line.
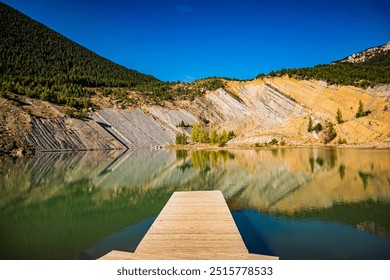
281,107
56,95
258,111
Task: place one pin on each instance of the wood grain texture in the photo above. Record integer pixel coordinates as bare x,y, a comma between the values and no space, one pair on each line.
193,225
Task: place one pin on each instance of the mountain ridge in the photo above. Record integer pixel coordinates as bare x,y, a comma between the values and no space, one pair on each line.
32,30
366,55
39,62
364,69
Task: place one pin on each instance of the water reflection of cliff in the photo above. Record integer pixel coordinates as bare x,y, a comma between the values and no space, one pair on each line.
285,180
123,188
290,180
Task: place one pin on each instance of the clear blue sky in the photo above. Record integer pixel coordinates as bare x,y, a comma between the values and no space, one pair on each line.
187,39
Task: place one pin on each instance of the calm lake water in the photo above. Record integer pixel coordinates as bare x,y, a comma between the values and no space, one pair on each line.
296,203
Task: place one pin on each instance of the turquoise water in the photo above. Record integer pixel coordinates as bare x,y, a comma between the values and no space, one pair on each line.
297,203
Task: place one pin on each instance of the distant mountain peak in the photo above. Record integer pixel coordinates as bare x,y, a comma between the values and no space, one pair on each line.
367,54
32,50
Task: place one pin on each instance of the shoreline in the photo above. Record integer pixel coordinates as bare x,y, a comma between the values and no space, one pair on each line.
195,147
199,147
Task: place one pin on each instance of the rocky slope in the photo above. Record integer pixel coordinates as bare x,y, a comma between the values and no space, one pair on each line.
258,111
279,108
367,54
303,99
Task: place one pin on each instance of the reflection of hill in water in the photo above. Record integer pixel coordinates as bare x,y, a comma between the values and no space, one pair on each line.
44,176
51,210
284,180
97,193
291,180
135,169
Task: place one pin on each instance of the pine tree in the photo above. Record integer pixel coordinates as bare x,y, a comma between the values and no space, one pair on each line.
339,116
195,133
181,138
360,111
231,135
310,125
223,137
213,136
318,127
330,133
203,136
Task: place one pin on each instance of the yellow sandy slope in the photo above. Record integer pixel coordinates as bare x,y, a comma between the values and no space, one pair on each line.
320,102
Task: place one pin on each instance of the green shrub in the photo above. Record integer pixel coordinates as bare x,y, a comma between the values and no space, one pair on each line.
213,136
213,84
183,124
68,111
361,112
200,134
222,144
342,141
310,125
339,116
181,139
274,141
15,103
318,127
83,113
330,133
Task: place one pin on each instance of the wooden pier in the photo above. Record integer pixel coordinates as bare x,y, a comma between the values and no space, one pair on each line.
194,225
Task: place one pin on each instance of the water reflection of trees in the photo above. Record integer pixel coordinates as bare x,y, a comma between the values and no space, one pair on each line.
205,159
365,176
325,159
181,155
342,171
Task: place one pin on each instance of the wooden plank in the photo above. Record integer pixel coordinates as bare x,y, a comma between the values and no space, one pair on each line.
195,227
192,216
199,217
120,255
192,225
198,237
117,255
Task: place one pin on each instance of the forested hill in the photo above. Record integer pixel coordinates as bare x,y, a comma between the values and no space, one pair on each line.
367,68
36,60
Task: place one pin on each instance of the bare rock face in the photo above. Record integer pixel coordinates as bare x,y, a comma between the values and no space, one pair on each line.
269,106
134,128
246,107
69,134
228,106
258,111
173,121
109,129
137,129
